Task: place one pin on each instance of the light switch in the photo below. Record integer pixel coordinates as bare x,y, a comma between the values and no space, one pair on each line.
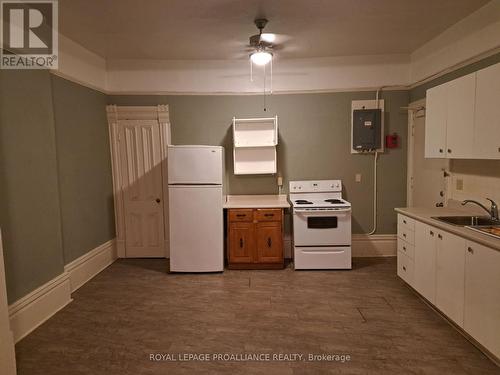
357,177
460,184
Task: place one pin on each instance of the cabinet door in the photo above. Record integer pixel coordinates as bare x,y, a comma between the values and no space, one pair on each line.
450,275
424,273
241,243
435,122
269,242
482,296
461,97
487,114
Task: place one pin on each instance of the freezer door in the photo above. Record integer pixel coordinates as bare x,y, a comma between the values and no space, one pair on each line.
196,228
195,165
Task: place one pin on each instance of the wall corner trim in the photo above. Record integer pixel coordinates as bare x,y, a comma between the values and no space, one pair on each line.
32,310
377,245
87,266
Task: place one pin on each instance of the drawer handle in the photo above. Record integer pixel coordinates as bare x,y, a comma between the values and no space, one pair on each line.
241,242
241,215
404,268
449,150
404,221
269,242
404,234
431,233
440,237
470,250
269,215
441,150
404,248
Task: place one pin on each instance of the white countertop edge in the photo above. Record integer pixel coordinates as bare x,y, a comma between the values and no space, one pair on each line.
425,216
256,201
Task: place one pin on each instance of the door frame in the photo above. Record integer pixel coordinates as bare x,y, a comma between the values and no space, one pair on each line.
417,109
115,114
7,351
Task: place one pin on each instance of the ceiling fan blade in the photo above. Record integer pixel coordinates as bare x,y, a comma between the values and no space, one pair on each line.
268,37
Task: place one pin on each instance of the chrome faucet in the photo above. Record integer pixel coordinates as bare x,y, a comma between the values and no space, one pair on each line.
493,210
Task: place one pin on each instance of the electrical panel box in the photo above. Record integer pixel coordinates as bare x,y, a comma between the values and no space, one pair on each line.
367,126
367,129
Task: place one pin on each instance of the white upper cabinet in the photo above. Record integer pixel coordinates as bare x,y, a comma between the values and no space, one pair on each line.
460,104
462,119
435,122
487,114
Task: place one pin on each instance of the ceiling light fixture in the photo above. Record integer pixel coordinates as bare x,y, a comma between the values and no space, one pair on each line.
261,57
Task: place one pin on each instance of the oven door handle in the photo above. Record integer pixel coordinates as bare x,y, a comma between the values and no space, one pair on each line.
305,211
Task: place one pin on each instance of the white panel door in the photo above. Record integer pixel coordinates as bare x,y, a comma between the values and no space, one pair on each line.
424,272
450,275
461,94
435,122
196,228
426,181
141,173
482,296
7,356
487,113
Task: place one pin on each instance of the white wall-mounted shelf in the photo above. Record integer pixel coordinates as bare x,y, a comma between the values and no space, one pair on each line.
254,141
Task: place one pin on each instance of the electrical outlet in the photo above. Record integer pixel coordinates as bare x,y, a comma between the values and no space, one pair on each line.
357,177
459,185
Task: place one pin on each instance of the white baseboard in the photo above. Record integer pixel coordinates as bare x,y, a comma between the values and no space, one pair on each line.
377,245
87,266
29,312
32,310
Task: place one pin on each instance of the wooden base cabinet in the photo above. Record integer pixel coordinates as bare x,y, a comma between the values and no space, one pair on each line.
255,238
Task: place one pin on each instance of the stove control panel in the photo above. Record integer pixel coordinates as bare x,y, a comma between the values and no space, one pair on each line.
316,186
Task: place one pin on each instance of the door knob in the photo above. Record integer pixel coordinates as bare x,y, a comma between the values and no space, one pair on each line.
158,200
269,242
241,242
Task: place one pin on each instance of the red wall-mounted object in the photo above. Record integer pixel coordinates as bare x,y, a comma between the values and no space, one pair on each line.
391,140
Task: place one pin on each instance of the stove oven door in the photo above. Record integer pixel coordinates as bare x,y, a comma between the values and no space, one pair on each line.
322,227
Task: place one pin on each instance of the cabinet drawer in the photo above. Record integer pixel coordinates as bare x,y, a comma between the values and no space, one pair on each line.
405,220
240,215
268,214
406,234
406,248
405,268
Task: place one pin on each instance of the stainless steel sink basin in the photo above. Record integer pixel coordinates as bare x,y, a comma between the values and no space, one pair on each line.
463,221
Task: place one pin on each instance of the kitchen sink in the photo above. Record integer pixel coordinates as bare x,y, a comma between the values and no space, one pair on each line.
467,220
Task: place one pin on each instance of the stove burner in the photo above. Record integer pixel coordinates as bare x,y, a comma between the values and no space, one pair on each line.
333,201
302,201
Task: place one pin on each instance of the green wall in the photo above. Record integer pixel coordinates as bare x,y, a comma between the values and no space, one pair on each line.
419,92
55,176
84,167
29,198
314,143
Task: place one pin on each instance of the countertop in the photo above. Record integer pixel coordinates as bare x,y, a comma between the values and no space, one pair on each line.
256,201
425,215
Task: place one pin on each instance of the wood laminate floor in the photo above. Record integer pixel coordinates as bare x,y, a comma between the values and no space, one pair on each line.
134,309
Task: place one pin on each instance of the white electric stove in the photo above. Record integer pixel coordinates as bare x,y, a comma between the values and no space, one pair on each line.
321,225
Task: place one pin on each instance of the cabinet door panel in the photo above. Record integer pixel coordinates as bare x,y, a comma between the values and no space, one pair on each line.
450,275
487,117
424,273
269,242
461,94
435,122
241,243
482,296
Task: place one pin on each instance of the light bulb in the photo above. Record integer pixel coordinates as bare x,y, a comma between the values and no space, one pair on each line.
261,57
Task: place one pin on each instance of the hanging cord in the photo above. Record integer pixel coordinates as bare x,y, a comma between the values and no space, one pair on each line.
265,109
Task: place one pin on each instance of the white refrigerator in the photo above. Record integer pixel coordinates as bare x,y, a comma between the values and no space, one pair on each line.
195,175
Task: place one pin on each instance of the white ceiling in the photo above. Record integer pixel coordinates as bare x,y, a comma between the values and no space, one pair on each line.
219,29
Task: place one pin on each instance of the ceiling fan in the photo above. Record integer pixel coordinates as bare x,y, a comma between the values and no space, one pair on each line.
262,44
